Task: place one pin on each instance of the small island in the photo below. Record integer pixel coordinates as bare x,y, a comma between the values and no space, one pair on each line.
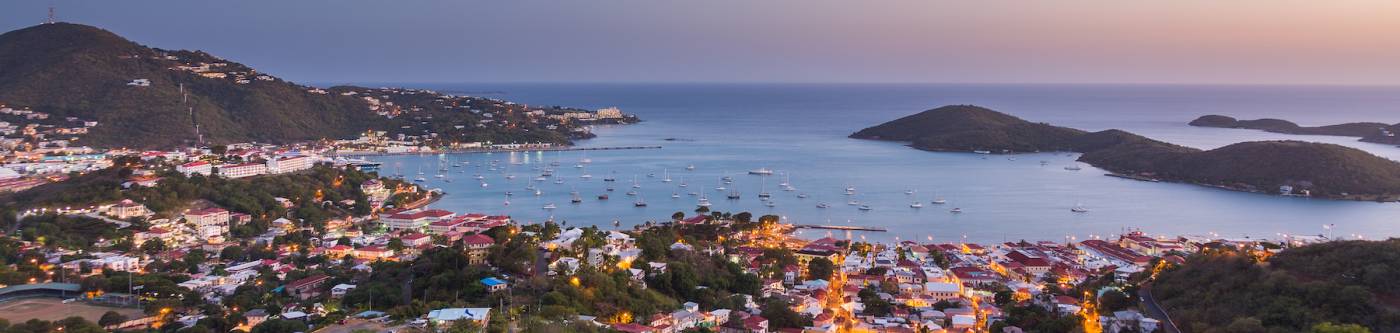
1373,132
1283,167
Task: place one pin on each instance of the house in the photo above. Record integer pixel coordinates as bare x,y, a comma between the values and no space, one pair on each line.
633,328
340,290
195,168
416,240
307,287
242,170
493,284
443,317
209,222
478,247
416,221
128,209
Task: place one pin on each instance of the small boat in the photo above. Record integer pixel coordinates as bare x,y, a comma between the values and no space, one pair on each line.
509,193
908,192
631,192
864,207
1079,208
609,179
727,178
510,176
693,193
479,177
802,195
703,202
769,204
916,204
576,199
559,181
639,203
853,203
822,205
586,176
420,179
690,167
484,184
610,189
634,183
1072,168
580,166
761,171
939,201
1044,162
675,195
548,206
720,188
538,192
850,190
603,196
733,195
955,210
983,152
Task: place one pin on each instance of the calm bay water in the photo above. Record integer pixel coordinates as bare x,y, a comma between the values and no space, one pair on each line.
800,131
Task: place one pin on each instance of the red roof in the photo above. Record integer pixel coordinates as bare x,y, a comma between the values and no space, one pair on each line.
194,164
413,236
478,239
694,219
633,328
309,281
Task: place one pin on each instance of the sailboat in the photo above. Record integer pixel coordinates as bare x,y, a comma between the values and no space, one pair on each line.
683,184
667,177
634,182
916,203
640,202
733,195
675,195
762,189
576,199
610,178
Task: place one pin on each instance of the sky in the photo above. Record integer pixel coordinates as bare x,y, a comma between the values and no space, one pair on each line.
1334,42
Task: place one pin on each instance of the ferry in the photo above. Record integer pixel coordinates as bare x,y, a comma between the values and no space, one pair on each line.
761,171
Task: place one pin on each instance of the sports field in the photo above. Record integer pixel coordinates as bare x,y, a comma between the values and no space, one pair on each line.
19,311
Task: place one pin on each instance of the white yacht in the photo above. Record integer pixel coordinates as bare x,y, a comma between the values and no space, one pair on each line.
761,171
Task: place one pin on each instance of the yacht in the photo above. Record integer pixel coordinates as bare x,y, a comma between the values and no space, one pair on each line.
939,201
420,179
733,195
548,206
853,203
850,190
955,210
631,192
640,203
802,195
761,171
908,192
675,195
1079,208
864,207
586,176
690,167
916,204
1073,168
576,199
704,202
822,205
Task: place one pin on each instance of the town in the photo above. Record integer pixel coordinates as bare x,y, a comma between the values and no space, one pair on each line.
265,239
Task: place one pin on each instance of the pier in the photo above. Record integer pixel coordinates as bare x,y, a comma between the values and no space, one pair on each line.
838,227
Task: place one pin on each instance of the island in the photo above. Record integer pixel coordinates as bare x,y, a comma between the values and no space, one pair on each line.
1373,132
1282,167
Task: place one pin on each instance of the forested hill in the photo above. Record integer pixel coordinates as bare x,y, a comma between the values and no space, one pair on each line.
83,71
1347,282
1324,170
1367,131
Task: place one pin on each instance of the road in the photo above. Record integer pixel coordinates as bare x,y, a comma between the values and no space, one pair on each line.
1155,310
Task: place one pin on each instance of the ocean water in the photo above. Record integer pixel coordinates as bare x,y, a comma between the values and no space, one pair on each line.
799,131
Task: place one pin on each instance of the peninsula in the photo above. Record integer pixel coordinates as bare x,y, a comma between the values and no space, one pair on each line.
1284,167
1368,131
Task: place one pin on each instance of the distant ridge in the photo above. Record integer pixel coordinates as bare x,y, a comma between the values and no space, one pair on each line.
1367,131
1324,170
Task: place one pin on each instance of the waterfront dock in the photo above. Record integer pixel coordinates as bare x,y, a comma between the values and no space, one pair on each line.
838,227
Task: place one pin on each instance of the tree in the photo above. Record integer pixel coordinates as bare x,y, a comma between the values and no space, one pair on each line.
279,326
677,216
820,268
1113,300
111,318
153,247
396,244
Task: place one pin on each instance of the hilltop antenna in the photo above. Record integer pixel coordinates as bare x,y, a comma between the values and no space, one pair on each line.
51,19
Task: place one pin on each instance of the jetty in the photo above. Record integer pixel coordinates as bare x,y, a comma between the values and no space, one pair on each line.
838,227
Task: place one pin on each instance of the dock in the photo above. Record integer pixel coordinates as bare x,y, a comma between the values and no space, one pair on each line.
838,227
